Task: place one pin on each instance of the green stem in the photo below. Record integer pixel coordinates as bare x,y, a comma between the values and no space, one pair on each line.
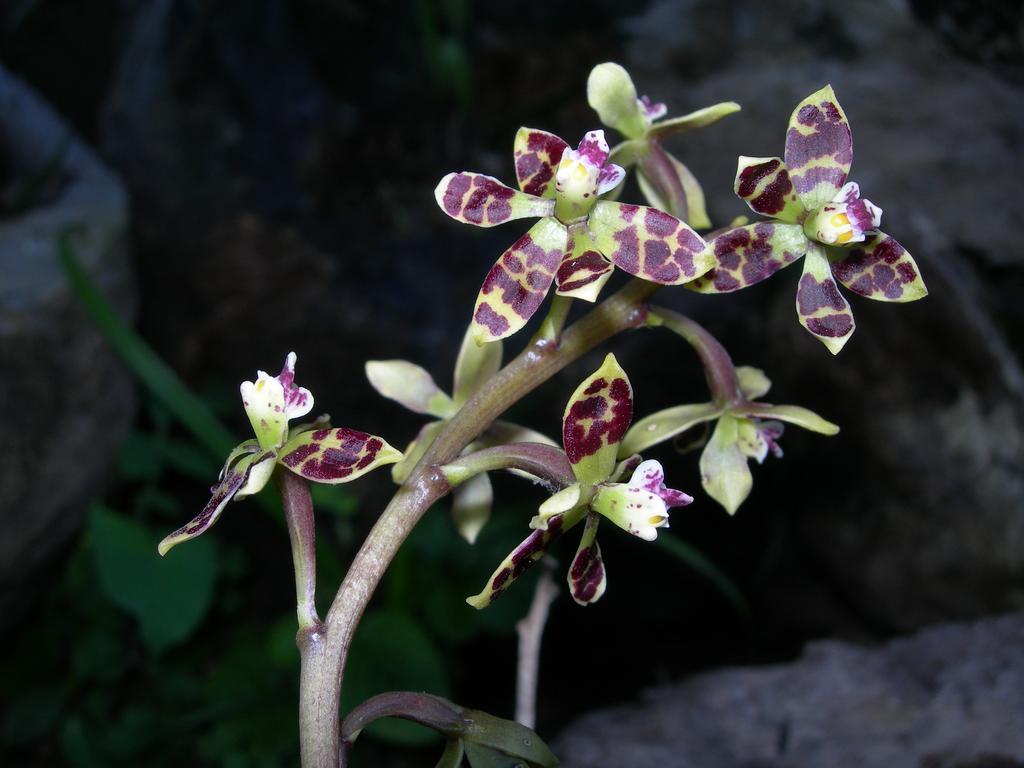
546,462
718,367
553,323
298,514
324,653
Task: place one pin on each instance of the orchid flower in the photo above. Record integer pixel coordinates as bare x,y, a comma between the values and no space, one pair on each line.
666,183
816,214
314,450
578,238
595,420
744,429
413,387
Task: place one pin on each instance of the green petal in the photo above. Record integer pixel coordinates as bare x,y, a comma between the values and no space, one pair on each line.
669,186
471,506
753,382
537,154
764,183
697,119
723,467
879,268
475,366
664,425
452,755
595,420
749,254
587,577
649,243
820,306
792,414
518,282
474,198
410,385
611,93
336,455
819,148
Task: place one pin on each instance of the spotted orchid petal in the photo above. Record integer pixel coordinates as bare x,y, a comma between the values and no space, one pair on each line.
471,506
595,420
474,367
749,254
723,466
753,382
879,268
764,184
611,93
271,401
586,577
410,385
648,243
336,455
792,414
240,467
819,148
415,450
522,557
666,424
669,186
757,438
820,306
518,282
640,506
696,119
537,154
482,200
584,271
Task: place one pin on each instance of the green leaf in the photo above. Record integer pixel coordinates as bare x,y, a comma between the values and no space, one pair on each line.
391,653
168,596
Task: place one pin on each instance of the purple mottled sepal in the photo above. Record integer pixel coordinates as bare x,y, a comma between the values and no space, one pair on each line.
820,307
879,268
336,455
764,184
749,254
723,466
537,154
471,506
670,186
518,282
819,148
482,200
649,243
584,271
234,477
666,424
640,506
587,578
522,558
410,385
595,420
271,401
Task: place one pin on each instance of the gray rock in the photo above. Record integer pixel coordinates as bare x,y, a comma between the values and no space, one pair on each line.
916,510
951,696
65,402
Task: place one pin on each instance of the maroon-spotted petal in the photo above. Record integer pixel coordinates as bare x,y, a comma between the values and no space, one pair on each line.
587,577
537,154
749,254
336,455
482,200
819,148
879,268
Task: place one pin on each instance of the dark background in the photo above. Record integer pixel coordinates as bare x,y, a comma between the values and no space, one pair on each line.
280,159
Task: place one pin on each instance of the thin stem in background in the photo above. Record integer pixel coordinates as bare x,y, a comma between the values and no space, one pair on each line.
531,631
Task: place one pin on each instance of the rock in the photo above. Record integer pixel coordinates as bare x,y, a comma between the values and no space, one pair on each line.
951,696
915,513
66,402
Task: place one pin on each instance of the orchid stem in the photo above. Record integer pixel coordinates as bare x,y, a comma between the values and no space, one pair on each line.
298,514
718,366
531,631
551,327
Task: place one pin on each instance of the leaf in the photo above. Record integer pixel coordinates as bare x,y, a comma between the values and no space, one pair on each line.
169,597
819,148
764,183
820,306
475,366
390,652
749,254
336,455
506,737
664,425
537,154
648,243
518,282
595,419
410,385
474,198
879,268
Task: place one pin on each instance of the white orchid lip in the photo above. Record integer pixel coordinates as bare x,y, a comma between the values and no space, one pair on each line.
584,173
271,401
847,219
640,506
